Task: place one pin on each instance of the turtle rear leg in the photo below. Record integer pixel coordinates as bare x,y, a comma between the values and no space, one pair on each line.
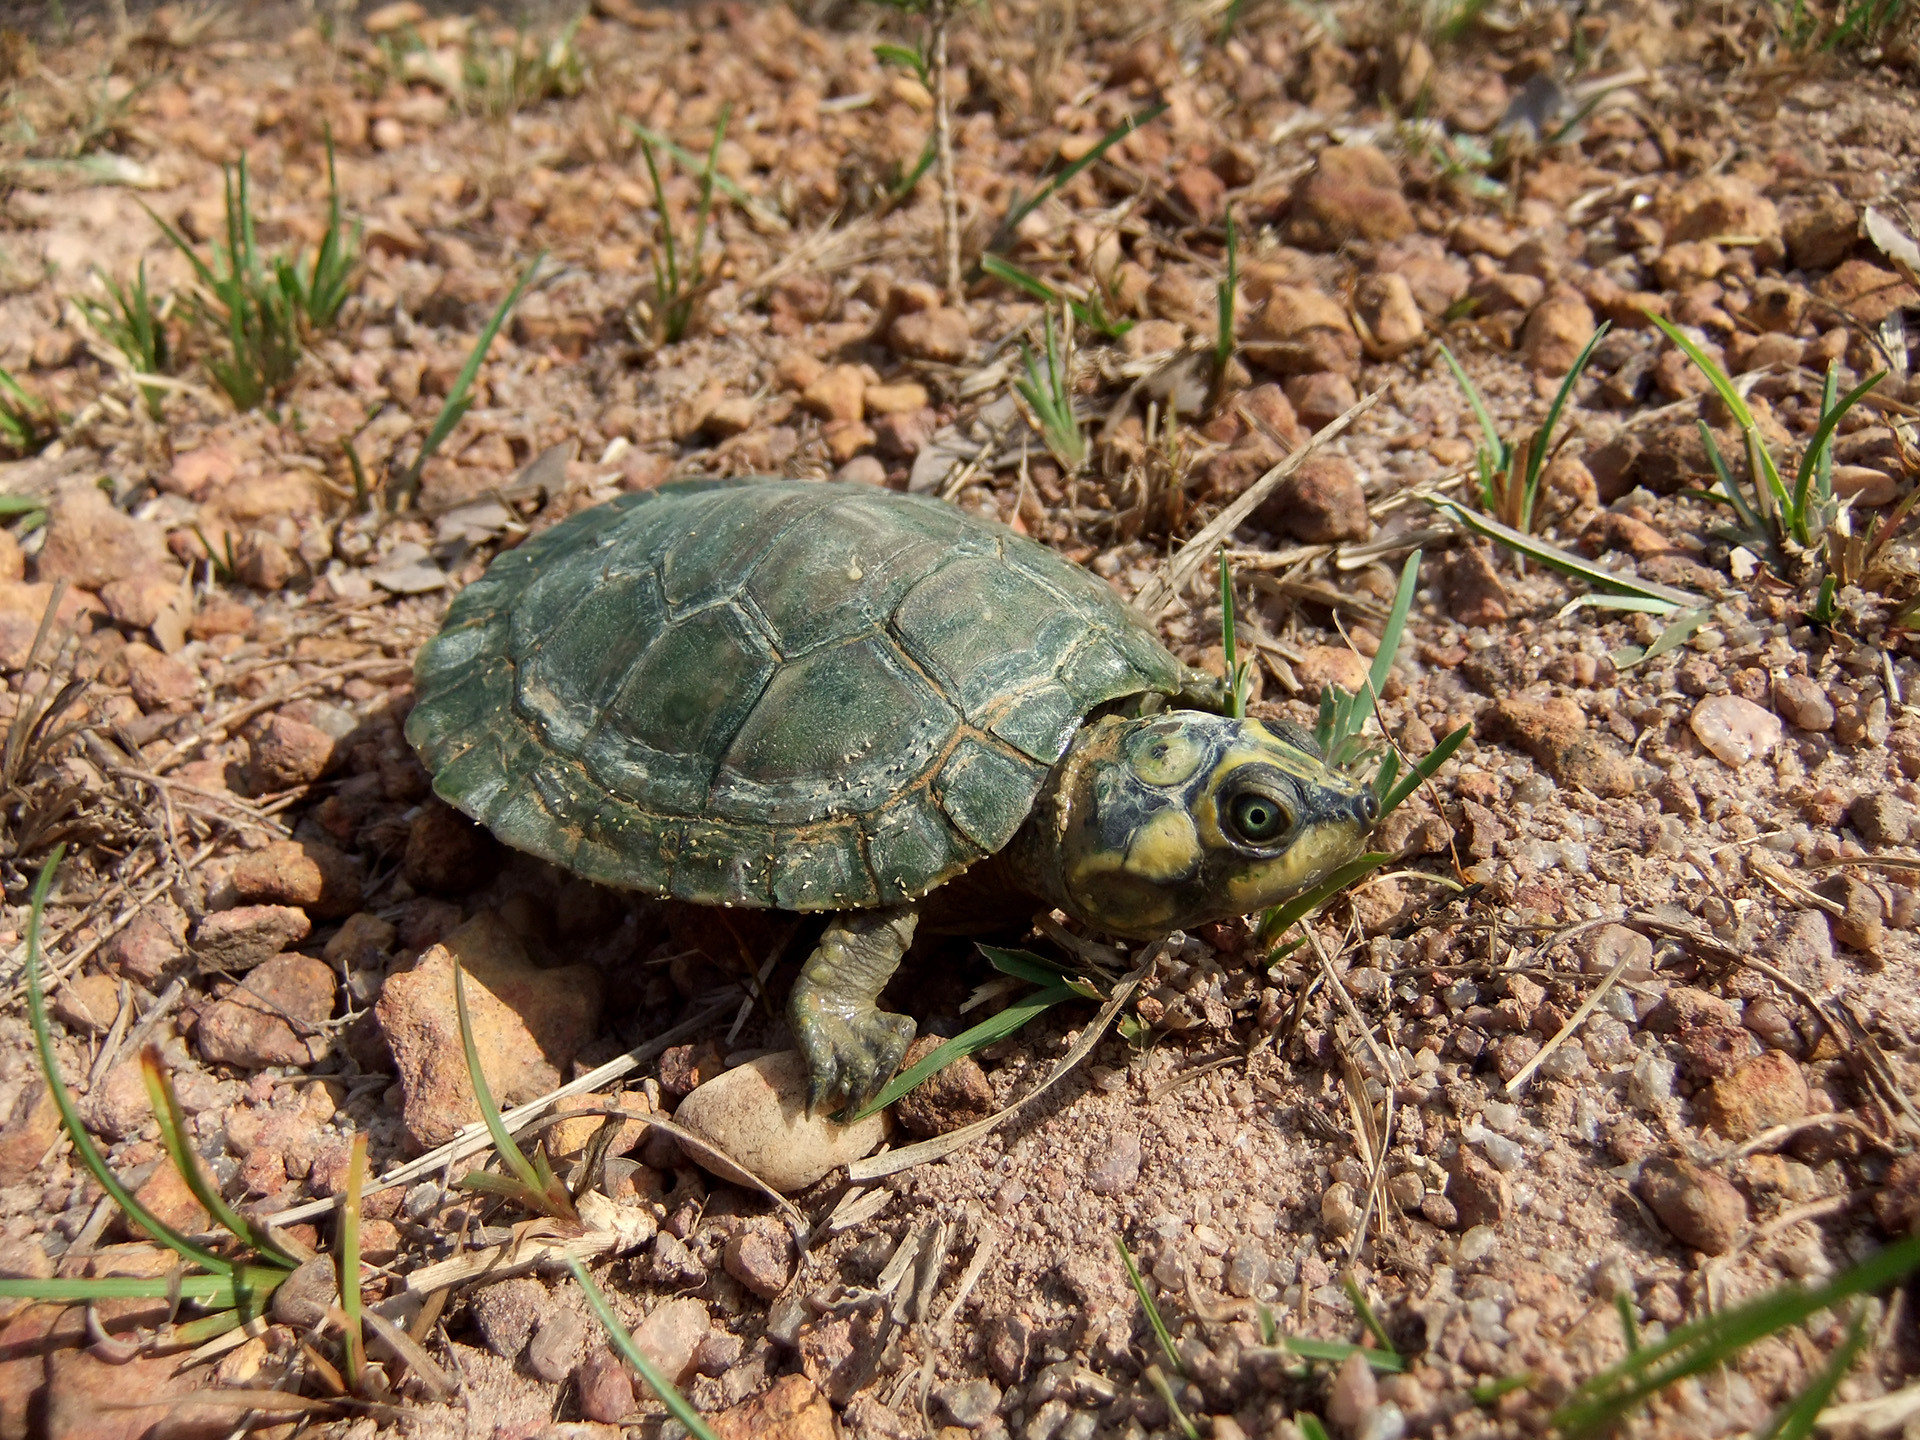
852,1047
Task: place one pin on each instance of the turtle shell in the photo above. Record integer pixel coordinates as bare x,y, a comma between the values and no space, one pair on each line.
770,693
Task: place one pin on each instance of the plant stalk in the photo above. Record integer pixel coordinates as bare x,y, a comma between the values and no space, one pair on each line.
937,18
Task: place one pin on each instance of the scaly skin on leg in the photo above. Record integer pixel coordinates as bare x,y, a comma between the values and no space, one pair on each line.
852,1046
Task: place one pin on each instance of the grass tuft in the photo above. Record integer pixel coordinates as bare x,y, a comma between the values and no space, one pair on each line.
1510,474
236,1288
131,323
1049,394
27,423
266,309
679,285
1615,1394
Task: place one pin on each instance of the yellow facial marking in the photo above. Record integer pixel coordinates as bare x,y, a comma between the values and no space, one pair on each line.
1164,849
1164,756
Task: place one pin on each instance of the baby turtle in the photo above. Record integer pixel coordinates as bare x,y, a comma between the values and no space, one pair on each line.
829,698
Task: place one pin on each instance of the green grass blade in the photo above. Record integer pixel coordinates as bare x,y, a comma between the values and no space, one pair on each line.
1729,491
1490,432
459,399
1024,965
509,1151
1160,1331
1423,770
173,1127
1238,706
1722,383
215,1291
661,1386
1010,1021
1333,1352
83,1145
1708,1342
1395,627
1537,459
1310,1426
1024,207
1008,273
1560,560
1796,1421
1817,462
688,161
1282,918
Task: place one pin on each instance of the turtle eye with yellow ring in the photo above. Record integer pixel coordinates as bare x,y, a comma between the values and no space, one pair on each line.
1257,818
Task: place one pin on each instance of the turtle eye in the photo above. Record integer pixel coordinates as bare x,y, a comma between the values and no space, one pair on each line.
1258,819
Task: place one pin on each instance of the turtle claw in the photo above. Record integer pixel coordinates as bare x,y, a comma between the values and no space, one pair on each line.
851,1055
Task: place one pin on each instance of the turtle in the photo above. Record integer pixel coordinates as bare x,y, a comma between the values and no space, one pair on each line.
827,697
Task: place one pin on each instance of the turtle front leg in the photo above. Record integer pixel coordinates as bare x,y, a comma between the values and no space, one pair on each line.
852,1047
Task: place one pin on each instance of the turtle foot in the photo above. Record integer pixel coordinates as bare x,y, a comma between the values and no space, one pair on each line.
851,1055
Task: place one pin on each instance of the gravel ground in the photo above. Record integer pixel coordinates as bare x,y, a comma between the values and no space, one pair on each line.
1630,1027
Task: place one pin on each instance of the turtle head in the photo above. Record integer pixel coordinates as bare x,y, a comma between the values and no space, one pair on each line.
1180,818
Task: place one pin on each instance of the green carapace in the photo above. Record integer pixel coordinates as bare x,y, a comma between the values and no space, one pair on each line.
822,697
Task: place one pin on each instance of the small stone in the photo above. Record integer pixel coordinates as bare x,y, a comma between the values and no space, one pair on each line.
88,1004
1820,236
757,1113
1882,818
605,1388
1321,397
1116,1167
315,876
1803,702
528,1024
903,434
165,1195
1353,1396
1438,1210
194,472
1865,485
1865,291
91,544
264,563
1388,314
1715,206
557,1340
1481,1195
1353,193
862,470
137,601
1301,331
1699,1207
160,682
1862,925
506,1313
287,753
837,395
1321,503
901,398
791,1409
671,1335
955,1095
1339,1210
1322,665
270,1018
240,938
1684,1007
942,335
301,1300
1897,1205
761,1260
732,416
446,852
1475,596
969,1403
1713,1052
1768,1090
29,1133
1556,332
1734,729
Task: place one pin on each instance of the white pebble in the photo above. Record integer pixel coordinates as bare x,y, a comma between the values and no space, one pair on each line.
1734,729
1478,1243
1651,1086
